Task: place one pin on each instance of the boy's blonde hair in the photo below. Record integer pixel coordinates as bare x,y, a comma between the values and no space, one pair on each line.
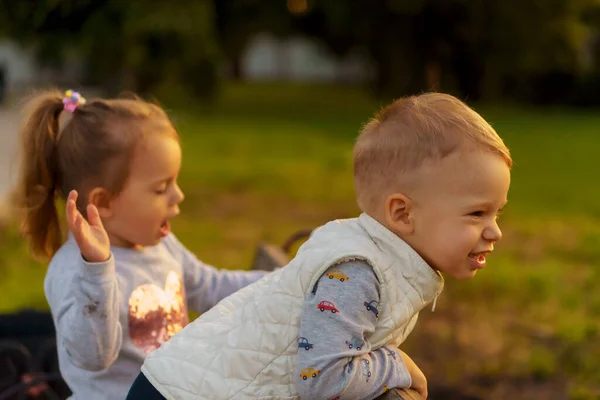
410,131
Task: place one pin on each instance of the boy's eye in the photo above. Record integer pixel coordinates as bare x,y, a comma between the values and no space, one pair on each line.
477,214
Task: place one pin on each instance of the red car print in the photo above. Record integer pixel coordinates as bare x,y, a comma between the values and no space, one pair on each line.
327,305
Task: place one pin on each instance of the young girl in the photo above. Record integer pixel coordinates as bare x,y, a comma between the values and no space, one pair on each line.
122,283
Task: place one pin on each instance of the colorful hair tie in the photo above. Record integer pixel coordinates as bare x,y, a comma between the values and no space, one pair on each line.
72,100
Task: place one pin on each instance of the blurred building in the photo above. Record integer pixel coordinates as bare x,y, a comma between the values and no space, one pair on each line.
17,66
298,59
20,70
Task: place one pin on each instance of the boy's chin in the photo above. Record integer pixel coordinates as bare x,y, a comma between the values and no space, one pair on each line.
465,275
461,274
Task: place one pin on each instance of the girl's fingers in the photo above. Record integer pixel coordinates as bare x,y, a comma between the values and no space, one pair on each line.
75,227
79,222
73,195
71,211
94,216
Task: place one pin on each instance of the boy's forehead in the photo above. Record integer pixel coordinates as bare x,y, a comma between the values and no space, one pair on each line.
472,175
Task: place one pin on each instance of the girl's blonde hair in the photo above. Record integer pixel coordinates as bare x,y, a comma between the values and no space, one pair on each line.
62,151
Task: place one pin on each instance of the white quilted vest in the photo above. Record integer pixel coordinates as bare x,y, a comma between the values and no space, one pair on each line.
245,347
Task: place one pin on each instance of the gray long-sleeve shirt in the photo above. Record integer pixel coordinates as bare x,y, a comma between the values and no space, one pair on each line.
335,360
110,315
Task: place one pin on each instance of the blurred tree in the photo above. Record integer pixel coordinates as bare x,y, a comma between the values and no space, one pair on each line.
410,42
591,17
589,93
535,48
526,49
474,47
132,45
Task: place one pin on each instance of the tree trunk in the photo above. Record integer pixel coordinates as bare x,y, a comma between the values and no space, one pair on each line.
433,76
236,68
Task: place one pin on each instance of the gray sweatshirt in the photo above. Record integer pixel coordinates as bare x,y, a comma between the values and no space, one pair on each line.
332,344
110,315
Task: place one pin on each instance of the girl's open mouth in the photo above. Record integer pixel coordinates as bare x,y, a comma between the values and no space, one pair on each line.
165,228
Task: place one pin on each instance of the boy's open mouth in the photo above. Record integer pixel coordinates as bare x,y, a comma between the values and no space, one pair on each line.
478,259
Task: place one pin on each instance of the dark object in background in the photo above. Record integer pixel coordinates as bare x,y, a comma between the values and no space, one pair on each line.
2,83
269,257
28,358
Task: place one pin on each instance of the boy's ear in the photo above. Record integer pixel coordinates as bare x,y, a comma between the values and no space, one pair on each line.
398,213
102,200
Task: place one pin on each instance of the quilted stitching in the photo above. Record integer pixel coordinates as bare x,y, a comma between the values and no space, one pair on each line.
244,348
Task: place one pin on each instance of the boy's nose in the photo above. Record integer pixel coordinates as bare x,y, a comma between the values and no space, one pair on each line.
493,233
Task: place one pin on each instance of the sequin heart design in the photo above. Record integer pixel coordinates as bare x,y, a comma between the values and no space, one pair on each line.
156,314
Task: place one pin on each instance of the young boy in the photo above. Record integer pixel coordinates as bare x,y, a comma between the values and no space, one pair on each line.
431,176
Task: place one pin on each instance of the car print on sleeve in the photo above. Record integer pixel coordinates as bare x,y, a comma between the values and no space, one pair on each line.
327,305
372,306
367,375
304,344
391,353
355,343
337,274
309,373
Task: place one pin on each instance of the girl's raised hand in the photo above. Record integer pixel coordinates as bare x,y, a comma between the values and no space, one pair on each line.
90,235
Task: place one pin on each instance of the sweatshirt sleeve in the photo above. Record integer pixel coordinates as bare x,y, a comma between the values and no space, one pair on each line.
83,298
335,358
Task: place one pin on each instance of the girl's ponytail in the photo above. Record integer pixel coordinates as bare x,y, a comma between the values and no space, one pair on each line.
37,185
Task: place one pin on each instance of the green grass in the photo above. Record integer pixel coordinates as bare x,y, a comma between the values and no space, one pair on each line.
266,160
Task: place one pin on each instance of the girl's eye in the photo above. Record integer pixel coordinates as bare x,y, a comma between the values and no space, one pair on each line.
161,190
